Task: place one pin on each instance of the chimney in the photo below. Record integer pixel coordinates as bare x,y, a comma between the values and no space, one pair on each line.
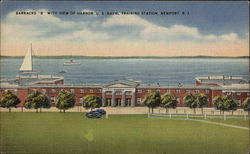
223,77
208,77
231,77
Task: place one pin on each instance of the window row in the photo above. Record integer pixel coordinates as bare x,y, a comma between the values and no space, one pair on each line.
176,91
237,93
118,93
71,90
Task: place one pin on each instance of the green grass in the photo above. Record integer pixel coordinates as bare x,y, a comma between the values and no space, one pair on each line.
236,120
73,133
232,120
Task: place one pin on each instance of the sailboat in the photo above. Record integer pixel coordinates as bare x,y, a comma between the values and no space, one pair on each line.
71,62
27,76
27,65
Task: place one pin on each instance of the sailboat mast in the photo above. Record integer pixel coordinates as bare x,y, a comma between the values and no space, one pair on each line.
31,57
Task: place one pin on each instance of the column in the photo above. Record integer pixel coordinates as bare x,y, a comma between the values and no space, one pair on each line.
103,99
123,99
109,102
113,99
133,99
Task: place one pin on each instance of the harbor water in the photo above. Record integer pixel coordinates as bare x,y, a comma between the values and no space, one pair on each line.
162,71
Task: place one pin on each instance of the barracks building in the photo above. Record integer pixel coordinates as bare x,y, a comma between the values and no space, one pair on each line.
126,92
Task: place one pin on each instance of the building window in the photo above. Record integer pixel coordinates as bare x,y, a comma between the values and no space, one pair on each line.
108,92
15,91
148,91
238,93
100,90
188,91
81,91
53,90
53,99
228,93
138,100
81,100
34,90
91,90
43,91
139,91
168,91
207,91
128,93
197,91
178,100
177,90
72,90
248,94
118,93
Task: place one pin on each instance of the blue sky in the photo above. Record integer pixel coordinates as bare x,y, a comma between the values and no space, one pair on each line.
206,22
209,17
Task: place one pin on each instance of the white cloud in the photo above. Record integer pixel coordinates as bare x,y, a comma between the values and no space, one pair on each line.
150,31
38,19
86,35
123,20
31,27
87,10
50,27
229,37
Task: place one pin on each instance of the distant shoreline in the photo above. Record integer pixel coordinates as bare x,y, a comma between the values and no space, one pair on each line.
126,57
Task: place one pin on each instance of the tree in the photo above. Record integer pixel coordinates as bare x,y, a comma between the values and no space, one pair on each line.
9,100
191,101
246,105
91,102
37,100
65,100
202,100
224,103
232,104
168,101
152,101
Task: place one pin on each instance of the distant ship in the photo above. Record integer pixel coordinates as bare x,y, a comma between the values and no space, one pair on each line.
27,65
71,62
63,71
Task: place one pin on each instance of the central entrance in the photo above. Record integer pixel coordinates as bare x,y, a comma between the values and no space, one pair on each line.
128,102
108,101
120,93
118,101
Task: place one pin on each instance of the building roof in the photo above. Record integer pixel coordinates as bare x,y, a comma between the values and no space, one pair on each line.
174,86
123,82
221,80
7,85
236,87
30,80
116,84
34,79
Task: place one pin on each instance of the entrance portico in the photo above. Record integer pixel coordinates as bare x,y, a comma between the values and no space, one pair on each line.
119,93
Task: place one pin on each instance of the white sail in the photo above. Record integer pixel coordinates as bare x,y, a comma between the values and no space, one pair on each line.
27,62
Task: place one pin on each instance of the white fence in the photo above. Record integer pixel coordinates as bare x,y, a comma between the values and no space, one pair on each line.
196,116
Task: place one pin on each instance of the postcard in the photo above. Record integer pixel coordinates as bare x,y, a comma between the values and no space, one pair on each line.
124,77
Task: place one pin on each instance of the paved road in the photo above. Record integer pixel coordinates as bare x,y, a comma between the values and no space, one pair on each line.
134,110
